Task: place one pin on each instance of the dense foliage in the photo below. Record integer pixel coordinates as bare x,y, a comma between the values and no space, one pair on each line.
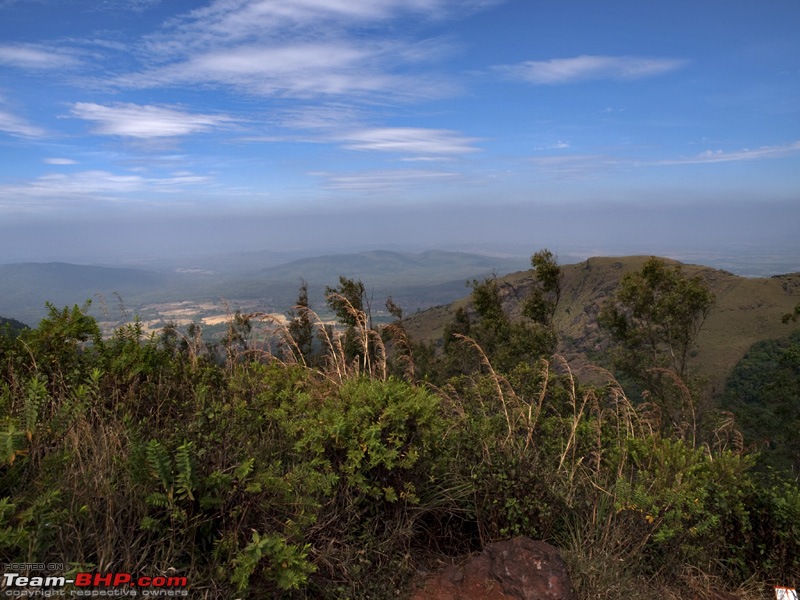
764,392
261,474
11,326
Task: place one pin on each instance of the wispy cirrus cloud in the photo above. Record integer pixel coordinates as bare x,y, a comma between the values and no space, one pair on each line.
577,166
59,161
745,154
129,5
293,69
342,125
143,121
584,165
298,48
19,127
55,190
417,143
297,69
388,180
588,67
235,21
34,57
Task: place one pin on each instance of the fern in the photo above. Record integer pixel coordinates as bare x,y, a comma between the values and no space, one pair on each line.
186,479
12,442
34,399
243,470
288,565
158,462
158,500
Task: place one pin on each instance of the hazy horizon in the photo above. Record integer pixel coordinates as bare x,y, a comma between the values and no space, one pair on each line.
133,131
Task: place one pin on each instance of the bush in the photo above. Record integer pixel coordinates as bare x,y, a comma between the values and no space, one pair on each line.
261,479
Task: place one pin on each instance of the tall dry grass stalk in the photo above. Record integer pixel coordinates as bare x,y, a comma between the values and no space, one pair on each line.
496,379
372,361
369,340
404,355
96,483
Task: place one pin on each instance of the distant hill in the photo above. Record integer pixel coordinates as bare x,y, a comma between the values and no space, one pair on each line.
12,325
382,268
414,280
747,310
25,287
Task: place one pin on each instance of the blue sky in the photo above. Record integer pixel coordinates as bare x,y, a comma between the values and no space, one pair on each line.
135,128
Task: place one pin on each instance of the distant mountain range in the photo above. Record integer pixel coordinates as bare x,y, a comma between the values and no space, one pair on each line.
429,286
25,287
415,280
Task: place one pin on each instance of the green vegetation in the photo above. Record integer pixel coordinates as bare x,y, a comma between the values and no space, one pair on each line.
654,319
303,469
764,393
11,326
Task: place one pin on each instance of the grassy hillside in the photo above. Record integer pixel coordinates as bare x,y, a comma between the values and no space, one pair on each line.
747,310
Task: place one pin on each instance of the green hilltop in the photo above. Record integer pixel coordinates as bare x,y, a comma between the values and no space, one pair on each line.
746,311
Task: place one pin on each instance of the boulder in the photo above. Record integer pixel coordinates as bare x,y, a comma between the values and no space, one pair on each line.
518,569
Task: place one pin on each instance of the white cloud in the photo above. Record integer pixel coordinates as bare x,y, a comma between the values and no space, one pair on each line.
233,21
56,189
384,180
132,5
576,166
298,69
59,161
16,126
35,57
330,116
424,143
719,156
582,165
299,48
146,121
585,67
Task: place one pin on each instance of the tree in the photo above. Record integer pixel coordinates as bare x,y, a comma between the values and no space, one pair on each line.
63,340
505,342
542,303
654,319
543,299
792,316
349,302
301,329
763,391
237,337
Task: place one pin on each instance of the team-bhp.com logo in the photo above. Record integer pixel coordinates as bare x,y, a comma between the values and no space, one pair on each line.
92,585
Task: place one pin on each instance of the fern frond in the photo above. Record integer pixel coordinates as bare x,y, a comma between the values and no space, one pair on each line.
159,463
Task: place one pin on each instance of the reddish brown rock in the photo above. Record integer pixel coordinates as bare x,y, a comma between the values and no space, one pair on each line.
518,569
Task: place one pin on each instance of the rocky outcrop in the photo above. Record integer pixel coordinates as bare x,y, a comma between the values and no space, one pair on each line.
518,569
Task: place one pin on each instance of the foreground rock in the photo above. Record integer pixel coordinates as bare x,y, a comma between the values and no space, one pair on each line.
518,569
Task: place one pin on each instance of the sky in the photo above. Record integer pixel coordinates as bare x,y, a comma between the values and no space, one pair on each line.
142,128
